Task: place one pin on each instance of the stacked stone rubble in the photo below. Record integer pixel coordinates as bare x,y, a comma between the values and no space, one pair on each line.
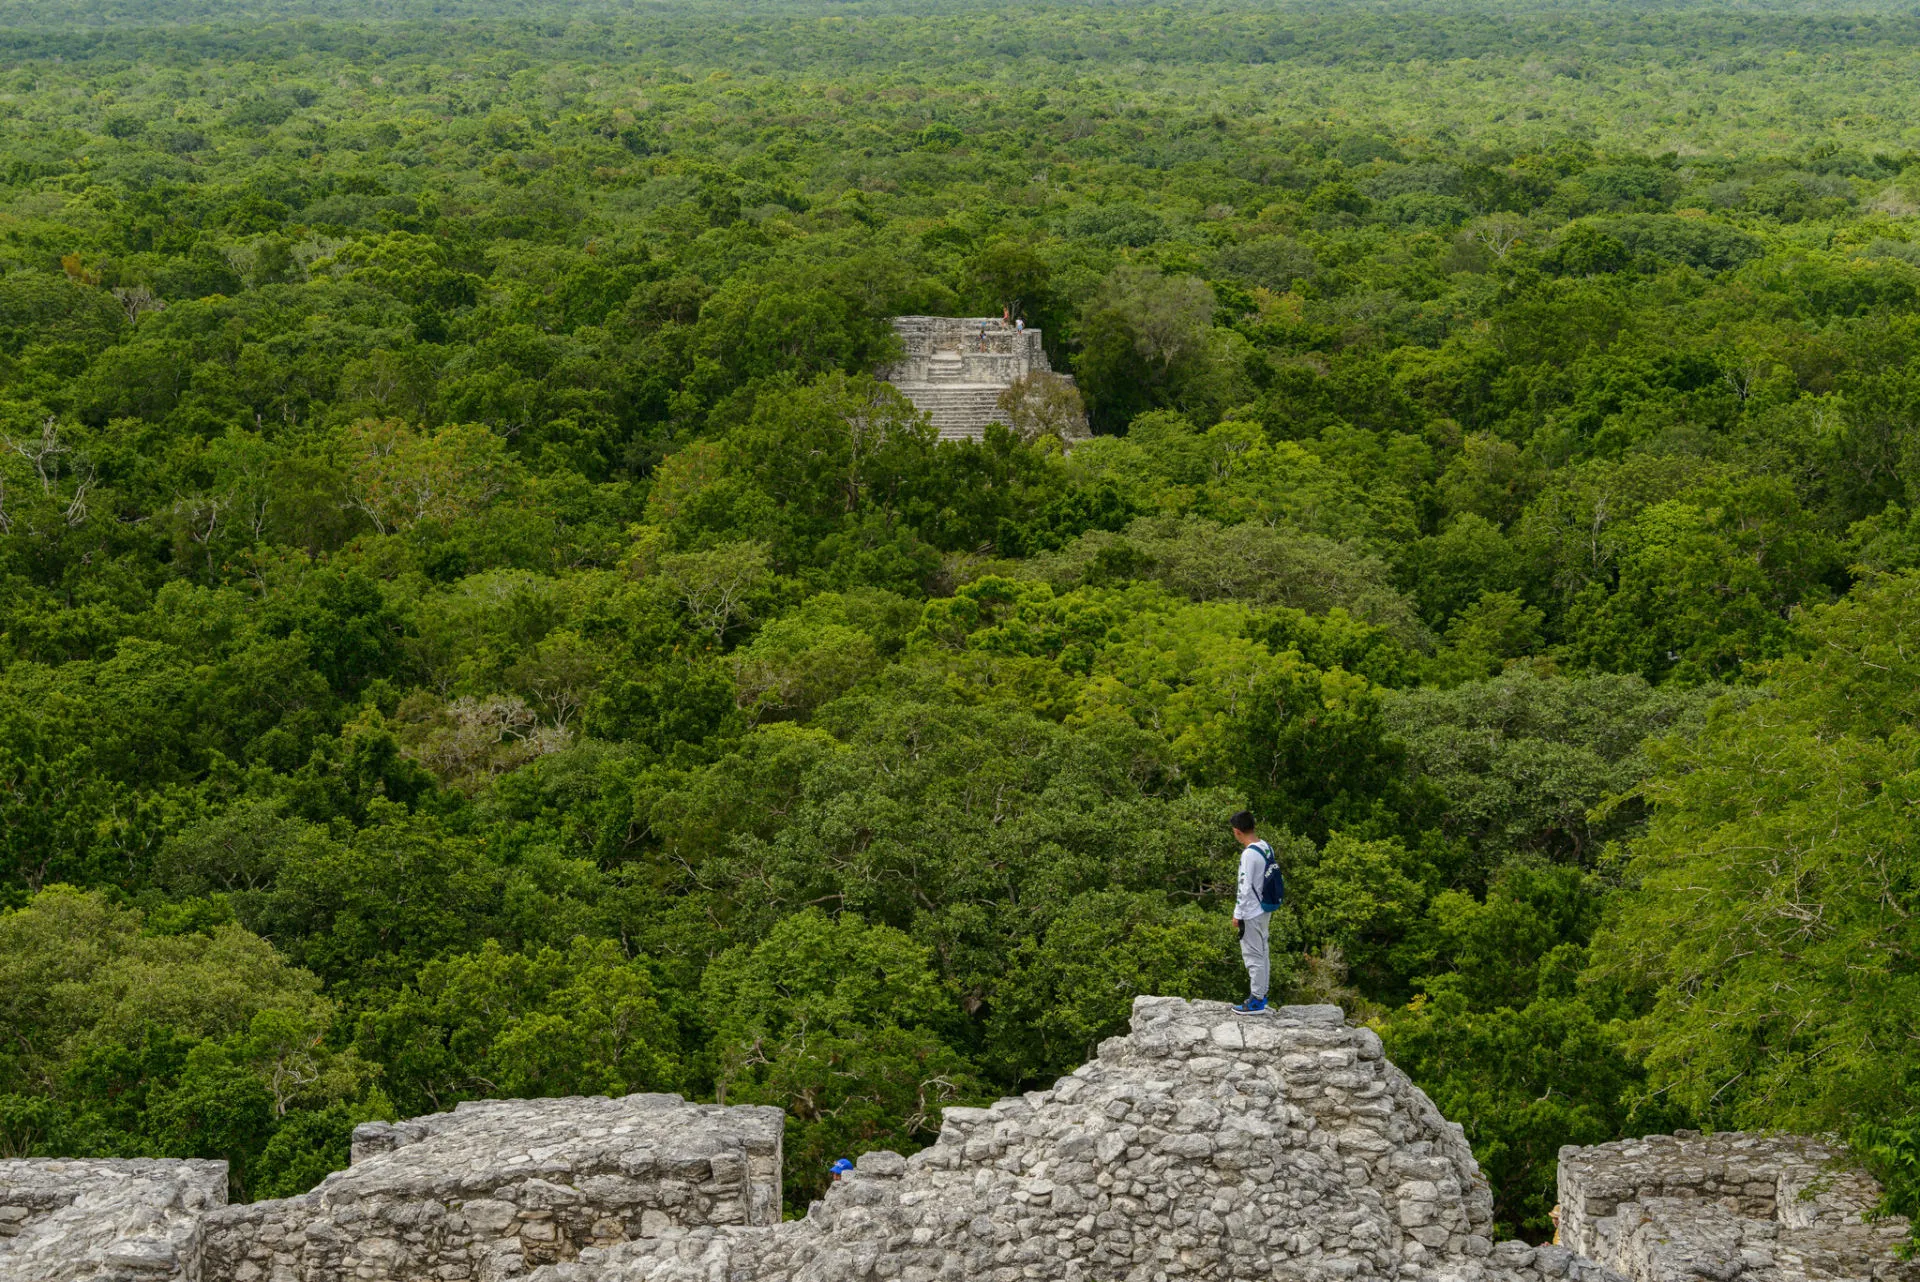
97,1220
1201,1145
494,1189
1760,1208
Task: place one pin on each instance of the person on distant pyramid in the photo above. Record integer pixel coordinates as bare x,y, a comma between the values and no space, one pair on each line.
1257,893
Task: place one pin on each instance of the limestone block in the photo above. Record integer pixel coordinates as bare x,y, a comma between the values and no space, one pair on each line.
489,1215
72,1219
496,1188
881,1163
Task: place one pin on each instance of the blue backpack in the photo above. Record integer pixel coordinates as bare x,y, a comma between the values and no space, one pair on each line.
1273,886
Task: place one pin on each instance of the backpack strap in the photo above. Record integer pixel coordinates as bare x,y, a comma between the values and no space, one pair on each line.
1271,872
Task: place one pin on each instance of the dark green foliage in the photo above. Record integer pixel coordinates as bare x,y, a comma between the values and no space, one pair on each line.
583,1020
308,1146
1711,247
841,1023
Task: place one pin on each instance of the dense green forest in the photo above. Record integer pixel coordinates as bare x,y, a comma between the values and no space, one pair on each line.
472,625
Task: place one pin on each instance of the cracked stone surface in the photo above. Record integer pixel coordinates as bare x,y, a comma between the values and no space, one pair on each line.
1202,1144
496,1188
105,1220
1760,1208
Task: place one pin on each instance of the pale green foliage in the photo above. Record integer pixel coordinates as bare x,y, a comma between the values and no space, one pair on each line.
1186,672
77,974
1044,405
717,587
794,665
1234,472
401,476
1498,627
1491,479
558,675
510,632
467,742
88,996
1250,562
813,974
1289,485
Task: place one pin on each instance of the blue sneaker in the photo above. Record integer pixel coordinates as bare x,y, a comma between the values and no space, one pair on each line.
1252,1006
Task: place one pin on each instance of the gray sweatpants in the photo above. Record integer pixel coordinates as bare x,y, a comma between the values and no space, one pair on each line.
1253,951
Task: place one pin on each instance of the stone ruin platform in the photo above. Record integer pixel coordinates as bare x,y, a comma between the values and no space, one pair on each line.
1201,1145
487,1192
1760,1208
956,367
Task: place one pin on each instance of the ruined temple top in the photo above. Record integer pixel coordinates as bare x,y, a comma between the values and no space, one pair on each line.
966,349
954,368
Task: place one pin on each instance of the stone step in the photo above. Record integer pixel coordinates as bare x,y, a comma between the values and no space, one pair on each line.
957,411
946,367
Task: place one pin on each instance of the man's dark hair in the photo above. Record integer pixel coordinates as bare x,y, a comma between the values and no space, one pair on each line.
1242,821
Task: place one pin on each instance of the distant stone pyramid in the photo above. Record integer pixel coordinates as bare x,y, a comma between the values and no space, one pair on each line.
956,367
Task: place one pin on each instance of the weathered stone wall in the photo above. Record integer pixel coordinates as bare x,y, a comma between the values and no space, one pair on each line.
488,1191
1201,1145
493,1189
105,1220
986,348
1762,1208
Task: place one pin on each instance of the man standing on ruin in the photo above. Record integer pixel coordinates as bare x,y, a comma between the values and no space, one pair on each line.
1251,915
